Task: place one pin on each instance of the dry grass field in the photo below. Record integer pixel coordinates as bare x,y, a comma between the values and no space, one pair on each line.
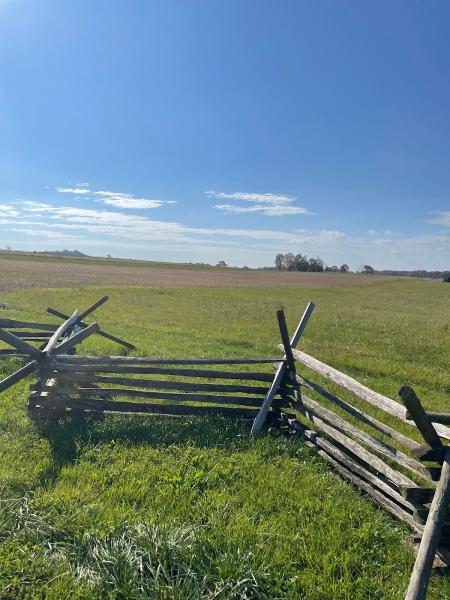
63,273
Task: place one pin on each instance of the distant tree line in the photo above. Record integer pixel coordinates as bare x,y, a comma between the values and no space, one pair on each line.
418,273
300,262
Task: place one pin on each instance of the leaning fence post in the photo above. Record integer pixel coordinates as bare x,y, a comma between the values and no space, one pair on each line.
286,343
419,416
420,576
262,414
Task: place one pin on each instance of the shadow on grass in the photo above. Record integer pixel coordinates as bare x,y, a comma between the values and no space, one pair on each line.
69,437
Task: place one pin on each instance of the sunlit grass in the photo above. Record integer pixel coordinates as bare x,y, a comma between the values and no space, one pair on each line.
194,508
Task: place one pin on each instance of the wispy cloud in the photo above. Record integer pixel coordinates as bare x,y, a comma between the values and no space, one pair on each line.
117,199
442,218
138,227
75,191
275,210
45,224
244,196
273,205
8,210
50,235
126,201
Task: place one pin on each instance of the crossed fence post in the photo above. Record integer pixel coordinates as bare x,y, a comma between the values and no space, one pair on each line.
83,324
70,333
286,367
41,332
41,356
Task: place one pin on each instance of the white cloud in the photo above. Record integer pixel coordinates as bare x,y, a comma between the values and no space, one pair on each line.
271,210
117,199
139,227
442,218
243,196
124,202
76,191
7,210
273,205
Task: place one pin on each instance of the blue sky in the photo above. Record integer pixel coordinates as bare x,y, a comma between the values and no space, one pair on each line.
206,130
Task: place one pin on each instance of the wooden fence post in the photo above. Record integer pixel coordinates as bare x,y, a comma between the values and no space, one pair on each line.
419,416
421,573
420,576
262,414
287,346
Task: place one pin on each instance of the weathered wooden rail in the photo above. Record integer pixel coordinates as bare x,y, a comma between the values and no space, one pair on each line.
396,453
40,333
372,441
168,386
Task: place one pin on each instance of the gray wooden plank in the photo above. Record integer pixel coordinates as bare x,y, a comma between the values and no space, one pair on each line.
387,404
438,417
381,447
379,498
163,384
145,360
18,375
206,373
93,307
12,323
361,415
163,409
355,448
75,339
19,344
62,329
89,392
351,464
423,424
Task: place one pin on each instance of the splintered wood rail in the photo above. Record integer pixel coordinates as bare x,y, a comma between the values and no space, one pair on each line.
396,453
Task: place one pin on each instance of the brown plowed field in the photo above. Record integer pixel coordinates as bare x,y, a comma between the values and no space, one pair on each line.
63,273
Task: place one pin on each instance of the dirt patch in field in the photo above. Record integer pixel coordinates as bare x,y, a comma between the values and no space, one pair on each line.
45,274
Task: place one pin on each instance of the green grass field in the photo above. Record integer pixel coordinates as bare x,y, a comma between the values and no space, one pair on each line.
193,508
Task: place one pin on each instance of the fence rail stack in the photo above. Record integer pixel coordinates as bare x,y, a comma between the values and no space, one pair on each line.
380,455
164,386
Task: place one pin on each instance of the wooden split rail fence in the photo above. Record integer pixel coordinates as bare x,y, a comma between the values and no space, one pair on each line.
147,385
369,439
68,383
39,334
372,442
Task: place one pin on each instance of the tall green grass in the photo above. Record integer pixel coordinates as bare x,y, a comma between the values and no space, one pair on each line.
194,508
